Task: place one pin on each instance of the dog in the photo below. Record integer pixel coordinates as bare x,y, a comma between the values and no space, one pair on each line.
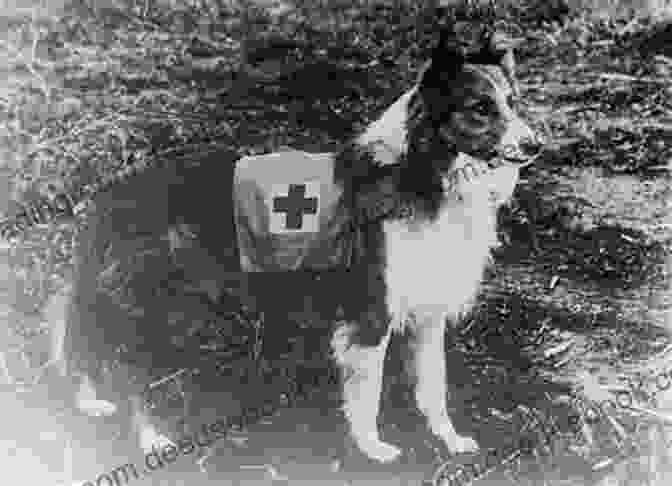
433,261
418,189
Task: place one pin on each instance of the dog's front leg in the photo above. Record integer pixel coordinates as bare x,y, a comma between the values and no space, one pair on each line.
147,434
429,367
361,369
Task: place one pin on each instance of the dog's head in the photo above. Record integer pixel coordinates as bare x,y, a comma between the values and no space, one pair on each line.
466,100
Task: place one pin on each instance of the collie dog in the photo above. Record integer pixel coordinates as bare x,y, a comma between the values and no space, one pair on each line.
445,154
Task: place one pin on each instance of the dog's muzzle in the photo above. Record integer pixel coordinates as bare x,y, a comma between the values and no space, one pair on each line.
523,153
520,144
473,176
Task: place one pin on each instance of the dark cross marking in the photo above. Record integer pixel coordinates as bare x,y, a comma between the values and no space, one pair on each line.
295,205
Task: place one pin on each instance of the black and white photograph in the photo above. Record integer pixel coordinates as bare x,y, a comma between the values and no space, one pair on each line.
336,242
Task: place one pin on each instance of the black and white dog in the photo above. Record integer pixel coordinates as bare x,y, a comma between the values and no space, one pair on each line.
431,263
443,150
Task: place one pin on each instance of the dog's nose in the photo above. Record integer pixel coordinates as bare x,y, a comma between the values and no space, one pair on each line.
531,146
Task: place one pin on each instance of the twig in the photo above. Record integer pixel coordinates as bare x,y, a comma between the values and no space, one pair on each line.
629,125
30,65
652,413
553,86
574,109
634,79
165,379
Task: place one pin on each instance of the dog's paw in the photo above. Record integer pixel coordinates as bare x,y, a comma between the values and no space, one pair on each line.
455,442
151,439
378,450
462,444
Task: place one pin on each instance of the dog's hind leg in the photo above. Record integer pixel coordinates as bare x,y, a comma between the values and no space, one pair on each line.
361,370
429,367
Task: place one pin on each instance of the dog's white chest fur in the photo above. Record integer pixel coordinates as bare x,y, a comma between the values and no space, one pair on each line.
434,268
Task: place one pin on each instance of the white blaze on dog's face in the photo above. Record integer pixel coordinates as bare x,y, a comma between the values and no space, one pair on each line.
475,178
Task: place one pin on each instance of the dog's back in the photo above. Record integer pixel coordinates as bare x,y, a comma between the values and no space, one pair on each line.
132,253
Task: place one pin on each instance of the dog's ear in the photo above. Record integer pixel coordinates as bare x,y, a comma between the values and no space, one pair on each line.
499,49
448,54
468,42
445,65
490,47
495,48
435,80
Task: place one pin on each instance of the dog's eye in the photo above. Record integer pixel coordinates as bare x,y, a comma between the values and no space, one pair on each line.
482,108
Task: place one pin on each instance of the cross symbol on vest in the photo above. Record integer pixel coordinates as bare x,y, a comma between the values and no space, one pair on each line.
294,207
